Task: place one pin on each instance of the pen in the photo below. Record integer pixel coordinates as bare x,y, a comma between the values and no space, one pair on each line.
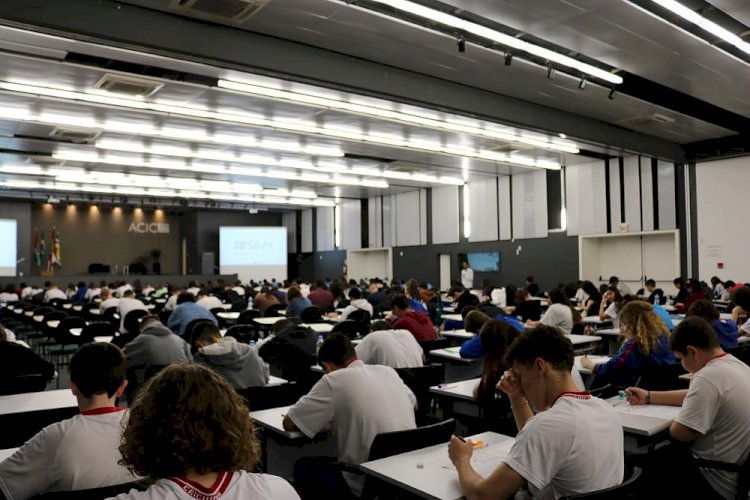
459,437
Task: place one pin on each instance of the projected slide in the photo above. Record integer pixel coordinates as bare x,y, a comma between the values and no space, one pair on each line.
8,247
484,261
253,252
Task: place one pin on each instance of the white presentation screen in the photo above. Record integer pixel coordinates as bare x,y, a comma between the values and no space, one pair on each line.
8,247
253,252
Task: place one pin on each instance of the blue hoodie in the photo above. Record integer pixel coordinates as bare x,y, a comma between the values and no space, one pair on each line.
664,315
626,365
727,333
472,348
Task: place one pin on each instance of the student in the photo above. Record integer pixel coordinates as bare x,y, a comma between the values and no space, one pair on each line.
590,305
719,291
203,299
296,303
655,295
741,298
610,307
415,297
360,401
417,323
473,323
9,294
128,303
527,309
357,303
679,284
622,287
191,433
574,442
560,314
388,347
80,452
715,414
694,292
726,330
53,292
292,348
107,300
240,364
187,311
532,289
646,344
426,293
264,300
193,288
17,360
320,296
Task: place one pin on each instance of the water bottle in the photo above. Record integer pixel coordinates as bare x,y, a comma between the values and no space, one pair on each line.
252,343
320,341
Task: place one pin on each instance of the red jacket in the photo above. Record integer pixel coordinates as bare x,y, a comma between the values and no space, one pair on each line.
418,324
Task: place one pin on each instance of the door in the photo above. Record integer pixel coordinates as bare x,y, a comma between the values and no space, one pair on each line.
445,271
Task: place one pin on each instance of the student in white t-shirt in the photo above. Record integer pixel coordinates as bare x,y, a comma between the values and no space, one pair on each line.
715,414
389,347
357,304
208,301
128,303
80,452
574,442
609,309
559,314
360,401
192,433
107,299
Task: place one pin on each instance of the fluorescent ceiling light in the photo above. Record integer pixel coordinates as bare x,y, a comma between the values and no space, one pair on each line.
436,16
703,23
389,114
194,135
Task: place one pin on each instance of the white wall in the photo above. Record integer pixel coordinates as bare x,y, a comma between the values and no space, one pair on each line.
375,221
721,190
585,198
530,205
483,210
307,231
503,199
324,228
445,223
351,224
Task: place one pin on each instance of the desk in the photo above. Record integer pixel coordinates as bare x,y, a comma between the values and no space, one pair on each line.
453,317
37,318
449,309
429,472
318,327
582,339
6,453
272,420
267,321
644,420
228,315
452,354
597,360
78,308
276,381
226,306
26,414
463,390
456,367
67,306
95,312
458,334
594,320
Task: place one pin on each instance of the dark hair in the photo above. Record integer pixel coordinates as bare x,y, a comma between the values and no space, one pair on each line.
97,368
650,282
336,349
495,337
696,332
187,417
380,325
618,296
741,297
400,301
355,294
591,290
185,297
281,324
205,331
715,280
704,309
679,281
475,320
128,293
556,296
694,285
292,293
544,342
465,310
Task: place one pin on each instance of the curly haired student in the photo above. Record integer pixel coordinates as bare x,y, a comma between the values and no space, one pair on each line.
191,433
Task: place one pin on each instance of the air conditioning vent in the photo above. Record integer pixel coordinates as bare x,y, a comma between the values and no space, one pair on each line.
654,119
128,85
77,135
236,11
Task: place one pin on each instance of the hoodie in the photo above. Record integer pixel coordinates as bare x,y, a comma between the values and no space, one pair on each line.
156,346
727,333
239,363
418,324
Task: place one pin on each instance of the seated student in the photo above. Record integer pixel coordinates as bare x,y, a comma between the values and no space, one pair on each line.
320,296
193,288
592,301
622,287
559,314
185,312
18,360
296,303
128,303
682,294
655,295
726,330
357,303
419,324
719,290
412,293
237,362
610,307
360,401
9,294
171,303
464,297
53,292
574,442
694,292
426,293
532,289
80,452
741,299
660,311
646,344
203,299
156,345
192,434
473,323
292,348
715,414
264,300
389,347
107,300
527,309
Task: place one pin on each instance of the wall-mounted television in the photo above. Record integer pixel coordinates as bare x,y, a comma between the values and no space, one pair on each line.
483,262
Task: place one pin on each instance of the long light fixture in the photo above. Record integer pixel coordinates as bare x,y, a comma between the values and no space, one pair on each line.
518,45
452,125
331,166
711,27
241,119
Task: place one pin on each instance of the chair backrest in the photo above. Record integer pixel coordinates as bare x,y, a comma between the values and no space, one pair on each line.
247,317
387,444
627,490
273,310
263,398
348,327
741,352
419,380
62,332
132,321
243,333
431,345
109,315
662,377
363,320
33,382
93,493
97,329
311,314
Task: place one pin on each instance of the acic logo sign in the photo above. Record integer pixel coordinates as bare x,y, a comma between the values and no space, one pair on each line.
145,227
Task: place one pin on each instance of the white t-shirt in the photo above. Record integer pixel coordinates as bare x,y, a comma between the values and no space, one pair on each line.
54,293
194,290
239,485
394,348
467,277
210,302
121,289
75,454
28,291
91,293
745,328
613,312
148,291
356,305
171,302
239,290
110,302
717,406
499,297
360,401
8,297
127,305
558,315
576,446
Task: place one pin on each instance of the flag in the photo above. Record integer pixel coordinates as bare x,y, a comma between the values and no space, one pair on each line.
37,248
41,249
54,251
